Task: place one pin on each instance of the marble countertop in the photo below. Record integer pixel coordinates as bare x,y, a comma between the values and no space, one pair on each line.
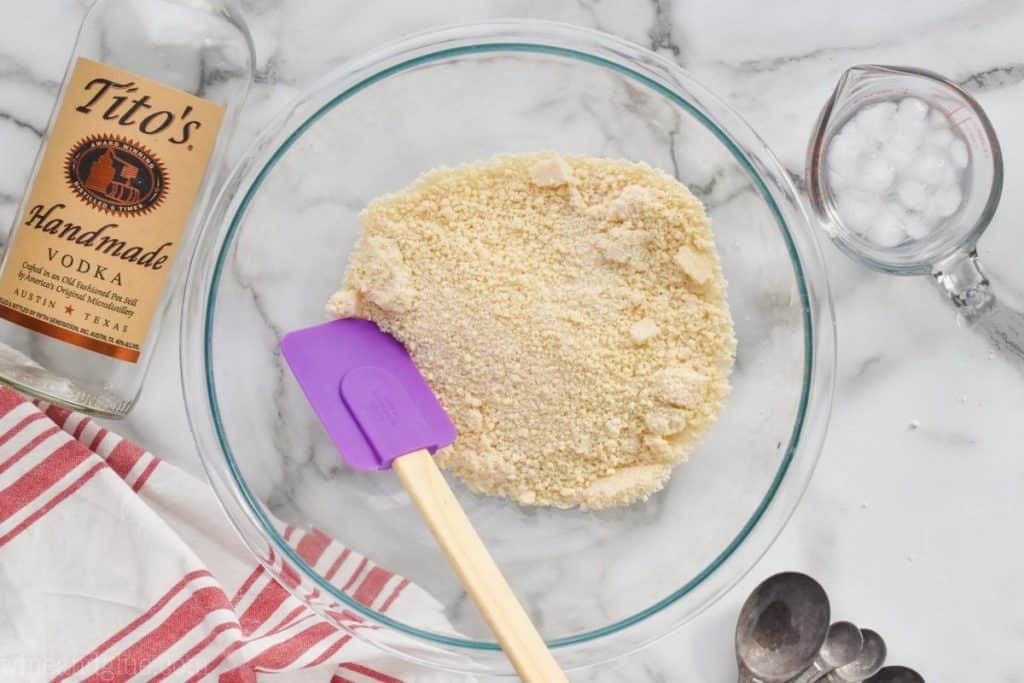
914,532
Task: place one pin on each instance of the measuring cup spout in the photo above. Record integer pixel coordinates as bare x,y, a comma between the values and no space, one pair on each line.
851,86
856,78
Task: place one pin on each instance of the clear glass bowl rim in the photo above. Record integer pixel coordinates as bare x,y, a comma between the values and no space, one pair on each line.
563,40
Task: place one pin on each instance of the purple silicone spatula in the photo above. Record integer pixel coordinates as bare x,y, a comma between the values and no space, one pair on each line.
381,414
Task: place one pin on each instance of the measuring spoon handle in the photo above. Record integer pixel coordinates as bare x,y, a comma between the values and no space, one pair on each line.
817,670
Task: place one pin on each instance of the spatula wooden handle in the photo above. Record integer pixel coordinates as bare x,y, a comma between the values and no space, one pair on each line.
480,576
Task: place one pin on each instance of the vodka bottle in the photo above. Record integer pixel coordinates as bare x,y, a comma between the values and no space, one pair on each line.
125,170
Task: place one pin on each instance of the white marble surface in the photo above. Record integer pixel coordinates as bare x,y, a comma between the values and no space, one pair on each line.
915,533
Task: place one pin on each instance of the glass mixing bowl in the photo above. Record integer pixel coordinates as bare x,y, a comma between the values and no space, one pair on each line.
597,584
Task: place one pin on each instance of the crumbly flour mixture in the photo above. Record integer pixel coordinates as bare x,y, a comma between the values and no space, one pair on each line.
569,313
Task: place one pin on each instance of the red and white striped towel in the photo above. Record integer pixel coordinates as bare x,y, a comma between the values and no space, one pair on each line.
115,566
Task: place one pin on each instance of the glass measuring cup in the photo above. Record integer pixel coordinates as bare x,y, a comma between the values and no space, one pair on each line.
945,246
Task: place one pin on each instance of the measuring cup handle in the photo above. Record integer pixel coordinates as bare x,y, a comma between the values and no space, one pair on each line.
1003,326
964,282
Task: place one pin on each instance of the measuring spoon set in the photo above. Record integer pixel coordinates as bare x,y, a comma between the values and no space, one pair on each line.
784,635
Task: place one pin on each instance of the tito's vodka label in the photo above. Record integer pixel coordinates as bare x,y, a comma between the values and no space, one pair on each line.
101,225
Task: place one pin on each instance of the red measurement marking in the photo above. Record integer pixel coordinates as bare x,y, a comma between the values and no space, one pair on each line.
962,121
950,112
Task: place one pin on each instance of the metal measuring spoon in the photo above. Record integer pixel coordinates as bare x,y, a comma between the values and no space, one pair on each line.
896,674
868,663
780,628
842,645
948,252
